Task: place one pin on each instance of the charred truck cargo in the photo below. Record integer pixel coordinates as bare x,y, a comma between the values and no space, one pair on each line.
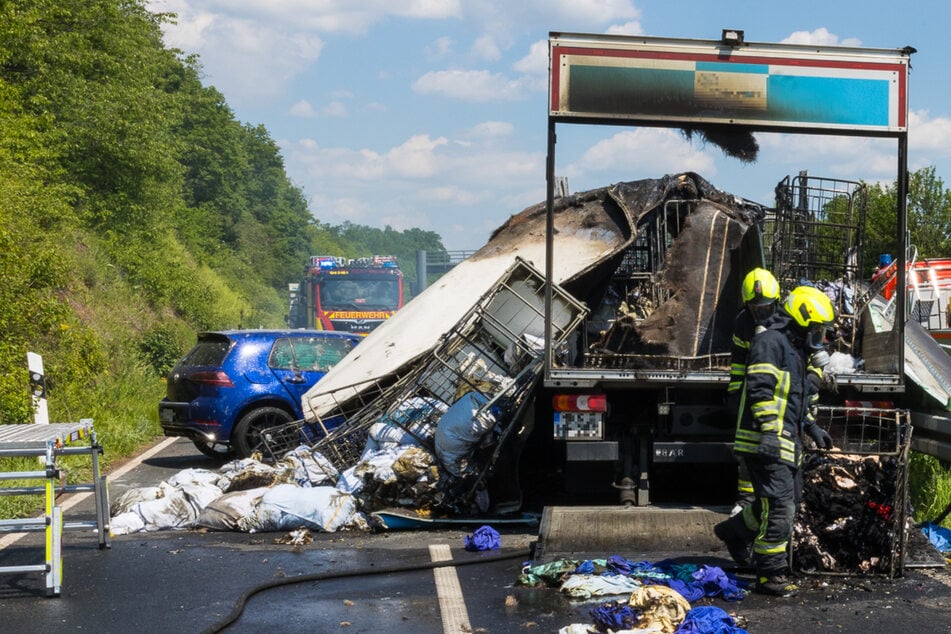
643,391
592,332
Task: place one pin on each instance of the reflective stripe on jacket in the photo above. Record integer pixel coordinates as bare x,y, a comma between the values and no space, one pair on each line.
776,393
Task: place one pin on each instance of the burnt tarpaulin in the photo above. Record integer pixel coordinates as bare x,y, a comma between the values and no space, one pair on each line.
688,249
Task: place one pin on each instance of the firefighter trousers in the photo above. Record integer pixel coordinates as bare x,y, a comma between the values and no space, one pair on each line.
767,522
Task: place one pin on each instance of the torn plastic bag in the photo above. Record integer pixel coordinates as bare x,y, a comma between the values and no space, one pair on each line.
384,436
130,498
379,464
248,473
227,511
460,430
286,507
310,468
172,510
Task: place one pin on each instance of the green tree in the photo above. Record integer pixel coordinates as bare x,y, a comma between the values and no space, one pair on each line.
929,218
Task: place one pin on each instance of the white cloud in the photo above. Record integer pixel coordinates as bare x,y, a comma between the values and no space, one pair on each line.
586,13
640,151
440,48
305,110
451,194
628,28
331,16
491,130
469,85
853,158
536,62
926,134
821,37
423,182
486,48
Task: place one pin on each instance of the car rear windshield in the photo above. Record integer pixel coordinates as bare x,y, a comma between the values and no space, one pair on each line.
309,353
208,351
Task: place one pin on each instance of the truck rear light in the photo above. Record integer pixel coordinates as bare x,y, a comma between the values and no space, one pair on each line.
211,377
580,402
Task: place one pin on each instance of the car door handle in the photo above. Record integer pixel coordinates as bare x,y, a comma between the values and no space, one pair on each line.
297,379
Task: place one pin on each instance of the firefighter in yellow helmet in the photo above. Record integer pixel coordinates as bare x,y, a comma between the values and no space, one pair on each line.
760,295
769,435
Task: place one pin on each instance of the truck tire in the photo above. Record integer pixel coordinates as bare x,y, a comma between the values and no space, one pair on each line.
246,437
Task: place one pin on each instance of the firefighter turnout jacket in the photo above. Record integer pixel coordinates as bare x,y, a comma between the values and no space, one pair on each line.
780,387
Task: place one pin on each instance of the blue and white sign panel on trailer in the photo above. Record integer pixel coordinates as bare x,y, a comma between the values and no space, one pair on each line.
664,81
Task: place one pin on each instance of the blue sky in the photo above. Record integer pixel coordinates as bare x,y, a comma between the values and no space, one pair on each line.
432,113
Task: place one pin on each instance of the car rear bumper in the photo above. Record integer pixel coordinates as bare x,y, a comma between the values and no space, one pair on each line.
176,421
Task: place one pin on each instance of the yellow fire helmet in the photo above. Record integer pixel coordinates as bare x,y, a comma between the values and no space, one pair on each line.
760,287
808,306
813,311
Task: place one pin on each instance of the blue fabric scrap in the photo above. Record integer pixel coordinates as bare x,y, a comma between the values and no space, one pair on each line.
484,538
613,616
709,619
939,536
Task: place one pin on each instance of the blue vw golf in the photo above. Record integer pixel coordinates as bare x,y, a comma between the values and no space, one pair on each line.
234,383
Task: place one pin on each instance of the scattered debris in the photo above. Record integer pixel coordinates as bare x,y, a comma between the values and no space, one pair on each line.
659,595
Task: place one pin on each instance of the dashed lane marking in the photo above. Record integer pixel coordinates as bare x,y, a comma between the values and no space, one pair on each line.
452,605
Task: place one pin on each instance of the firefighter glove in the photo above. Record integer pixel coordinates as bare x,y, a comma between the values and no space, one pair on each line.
821,436
769,445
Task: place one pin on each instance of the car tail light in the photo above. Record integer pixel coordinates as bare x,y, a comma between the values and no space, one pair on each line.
580,402
211,377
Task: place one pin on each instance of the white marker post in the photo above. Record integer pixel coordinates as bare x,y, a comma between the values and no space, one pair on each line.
41,414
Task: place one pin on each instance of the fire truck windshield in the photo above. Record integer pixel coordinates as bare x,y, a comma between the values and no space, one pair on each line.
361,294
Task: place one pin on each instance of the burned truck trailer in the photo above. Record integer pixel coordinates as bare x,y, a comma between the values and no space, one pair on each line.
608,369
639,406
643,381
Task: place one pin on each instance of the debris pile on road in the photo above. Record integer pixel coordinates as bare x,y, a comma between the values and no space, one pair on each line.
659,594
429,442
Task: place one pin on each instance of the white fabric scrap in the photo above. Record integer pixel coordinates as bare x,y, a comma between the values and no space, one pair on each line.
378,463
581,586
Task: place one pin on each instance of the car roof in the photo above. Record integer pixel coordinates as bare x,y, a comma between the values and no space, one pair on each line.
265,333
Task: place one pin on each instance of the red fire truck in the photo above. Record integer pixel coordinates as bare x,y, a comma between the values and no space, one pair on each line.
354,295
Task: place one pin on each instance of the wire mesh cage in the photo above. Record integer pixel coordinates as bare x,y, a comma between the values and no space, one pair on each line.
853,514
816,230
493,355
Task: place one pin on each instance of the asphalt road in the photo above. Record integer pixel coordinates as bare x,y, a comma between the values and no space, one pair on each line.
191,581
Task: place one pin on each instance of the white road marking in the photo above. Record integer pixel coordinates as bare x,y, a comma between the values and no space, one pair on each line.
452,605
75,498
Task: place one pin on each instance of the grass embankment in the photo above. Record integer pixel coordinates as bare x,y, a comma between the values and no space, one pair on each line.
929,482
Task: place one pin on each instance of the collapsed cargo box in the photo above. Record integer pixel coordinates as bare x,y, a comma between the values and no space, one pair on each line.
488,364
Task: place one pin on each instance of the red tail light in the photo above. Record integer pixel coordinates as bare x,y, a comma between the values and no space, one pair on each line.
580,402
211,377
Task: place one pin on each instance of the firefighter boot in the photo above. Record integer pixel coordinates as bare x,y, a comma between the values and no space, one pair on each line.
777,585
741,549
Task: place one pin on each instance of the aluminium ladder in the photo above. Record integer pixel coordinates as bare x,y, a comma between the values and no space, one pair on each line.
48,442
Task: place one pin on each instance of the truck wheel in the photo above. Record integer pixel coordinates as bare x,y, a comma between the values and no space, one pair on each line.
214,450
246,437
